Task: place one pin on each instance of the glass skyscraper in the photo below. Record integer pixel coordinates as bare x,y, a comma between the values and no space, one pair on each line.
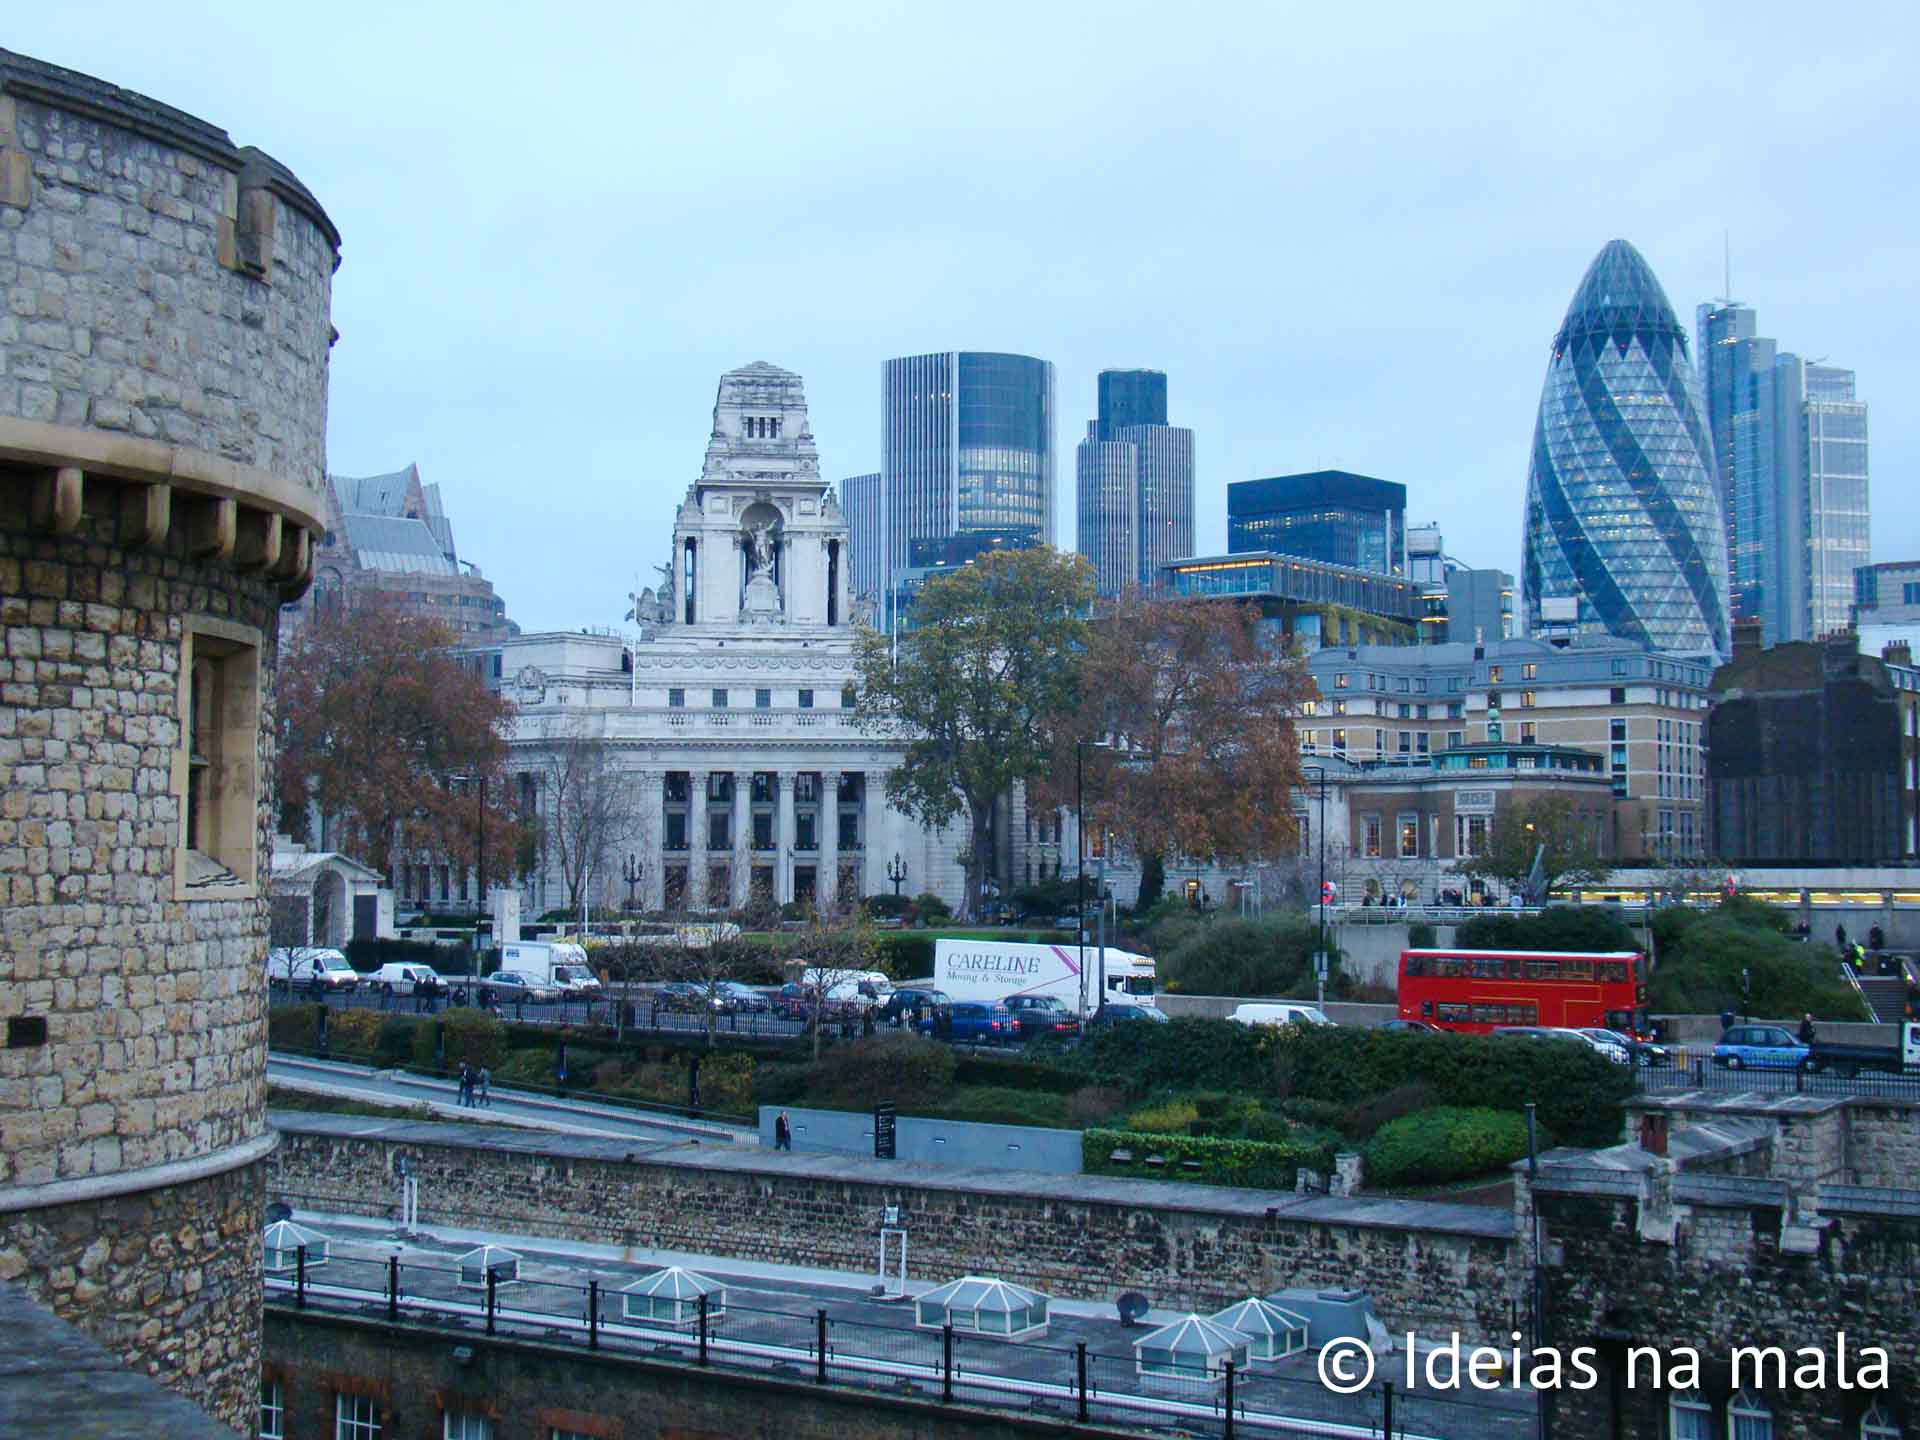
1790,445
1134,474
1623,517
860,503
967,446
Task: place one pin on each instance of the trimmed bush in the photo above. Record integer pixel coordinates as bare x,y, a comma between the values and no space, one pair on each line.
1431,1147
1560,927
1250,957
394,1045
1015,1074
1095,1105
1170,1117
907,1069
1421,935
1360,1121
994,1105
904,954
294,1026
473,1037
1257,1164
1702,954
1323,1113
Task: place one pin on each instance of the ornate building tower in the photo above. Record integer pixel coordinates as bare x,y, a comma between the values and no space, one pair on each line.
163,396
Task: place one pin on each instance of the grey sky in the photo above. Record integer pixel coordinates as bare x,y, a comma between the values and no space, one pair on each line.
1346,233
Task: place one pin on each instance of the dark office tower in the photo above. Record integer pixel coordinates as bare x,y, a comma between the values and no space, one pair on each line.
1135,484
860,503
1330,515
1130,397
1623,522
967,446
1730,356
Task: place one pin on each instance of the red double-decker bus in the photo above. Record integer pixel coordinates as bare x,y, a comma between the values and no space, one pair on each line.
1475,990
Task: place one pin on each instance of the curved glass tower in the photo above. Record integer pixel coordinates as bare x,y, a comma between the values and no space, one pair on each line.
1624,529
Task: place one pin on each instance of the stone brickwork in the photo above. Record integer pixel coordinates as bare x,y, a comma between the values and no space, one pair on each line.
170,1276
1435,1268
528,1390
164,338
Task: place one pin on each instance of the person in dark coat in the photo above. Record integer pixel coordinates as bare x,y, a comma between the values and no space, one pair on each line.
1807,1036
1876,939
1840,938
782,1132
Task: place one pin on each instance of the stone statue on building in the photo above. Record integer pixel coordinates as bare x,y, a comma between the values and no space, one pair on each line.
761,604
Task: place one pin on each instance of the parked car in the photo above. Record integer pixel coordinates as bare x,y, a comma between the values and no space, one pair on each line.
742,999
1035,1016
1114,1013
977,1022
1760,1047
406,978
1643,1053
1279,1013
685,995
314,969
1413,1026
507,986
1557,1032
903,1003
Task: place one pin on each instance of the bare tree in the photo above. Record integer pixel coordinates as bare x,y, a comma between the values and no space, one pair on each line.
703,957
591,808
837,959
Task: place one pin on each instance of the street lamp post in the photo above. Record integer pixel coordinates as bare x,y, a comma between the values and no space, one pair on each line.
633,871
1320,774
897,873
479,778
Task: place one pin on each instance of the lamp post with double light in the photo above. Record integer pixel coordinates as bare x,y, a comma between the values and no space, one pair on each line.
478,779
1320,774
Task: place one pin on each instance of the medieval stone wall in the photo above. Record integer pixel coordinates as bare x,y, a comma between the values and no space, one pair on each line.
1068,1236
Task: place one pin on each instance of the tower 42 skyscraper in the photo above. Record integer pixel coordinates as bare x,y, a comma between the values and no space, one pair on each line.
1623,516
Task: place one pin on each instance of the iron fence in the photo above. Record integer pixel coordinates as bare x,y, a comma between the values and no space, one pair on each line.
804,1339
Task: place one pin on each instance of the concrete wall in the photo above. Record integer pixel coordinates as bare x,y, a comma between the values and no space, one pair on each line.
1431,1267
163,382
918,1140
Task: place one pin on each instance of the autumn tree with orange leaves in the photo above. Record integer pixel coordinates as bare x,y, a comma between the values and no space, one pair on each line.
1193,704
379,725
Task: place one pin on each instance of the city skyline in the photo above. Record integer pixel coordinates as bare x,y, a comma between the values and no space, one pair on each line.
1374,295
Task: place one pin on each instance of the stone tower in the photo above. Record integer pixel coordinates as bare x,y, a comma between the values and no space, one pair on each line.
163,393
759,539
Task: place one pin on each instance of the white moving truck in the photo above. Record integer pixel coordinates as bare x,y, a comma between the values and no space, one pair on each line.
562,965
995,970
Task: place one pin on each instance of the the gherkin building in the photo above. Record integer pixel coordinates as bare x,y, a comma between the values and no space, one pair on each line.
1622,514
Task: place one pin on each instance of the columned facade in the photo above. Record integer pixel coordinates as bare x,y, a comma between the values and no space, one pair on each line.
725,719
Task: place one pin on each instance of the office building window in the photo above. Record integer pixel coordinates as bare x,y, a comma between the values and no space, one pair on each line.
273,1411
356,1417
1455,739
1528,733
1340,739
806,699
1527,699
719,699
1406,742
1454,711
1529,671
460,1426
1340,707
1424,743
1494,673
763,699
1617,695
1340,680
1370,830
677,698
1409,836
1616,729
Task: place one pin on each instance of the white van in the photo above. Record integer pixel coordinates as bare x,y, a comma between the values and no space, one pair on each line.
1279,1012
309,968
406,978
850,985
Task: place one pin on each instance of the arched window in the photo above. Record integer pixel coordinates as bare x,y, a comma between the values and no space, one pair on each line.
1748,1418
1879,1424
1689,1417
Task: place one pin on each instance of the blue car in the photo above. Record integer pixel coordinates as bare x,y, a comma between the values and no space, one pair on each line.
1760,1047
976,1022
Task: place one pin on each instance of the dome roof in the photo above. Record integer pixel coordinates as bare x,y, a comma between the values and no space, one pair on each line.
1619,298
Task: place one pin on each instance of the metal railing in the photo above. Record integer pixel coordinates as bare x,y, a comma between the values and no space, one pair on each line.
943,1364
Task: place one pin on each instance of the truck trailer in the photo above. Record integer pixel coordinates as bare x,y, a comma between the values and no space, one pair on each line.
999,970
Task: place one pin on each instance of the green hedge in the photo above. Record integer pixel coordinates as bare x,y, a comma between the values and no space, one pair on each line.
1251,957
1014,1074
1704,955
1256,1164
1578,1092
1431,1147
1560,927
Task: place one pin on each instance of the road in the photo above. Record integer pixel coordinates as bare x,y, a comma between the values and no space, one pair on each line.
511,1107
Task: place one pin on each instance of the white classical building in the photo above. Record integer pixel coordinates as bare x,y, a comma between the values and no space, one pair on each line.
728,708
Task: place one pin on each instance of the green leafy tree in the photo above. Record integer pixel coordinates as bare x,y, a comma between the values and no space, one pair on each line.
1572,837
978,689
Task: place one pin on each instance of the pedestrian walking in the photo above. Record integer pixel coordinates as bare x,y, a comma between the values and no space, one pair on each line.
782,1132
466,1085
1807,1036
1840,938
486,1087
1876,939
